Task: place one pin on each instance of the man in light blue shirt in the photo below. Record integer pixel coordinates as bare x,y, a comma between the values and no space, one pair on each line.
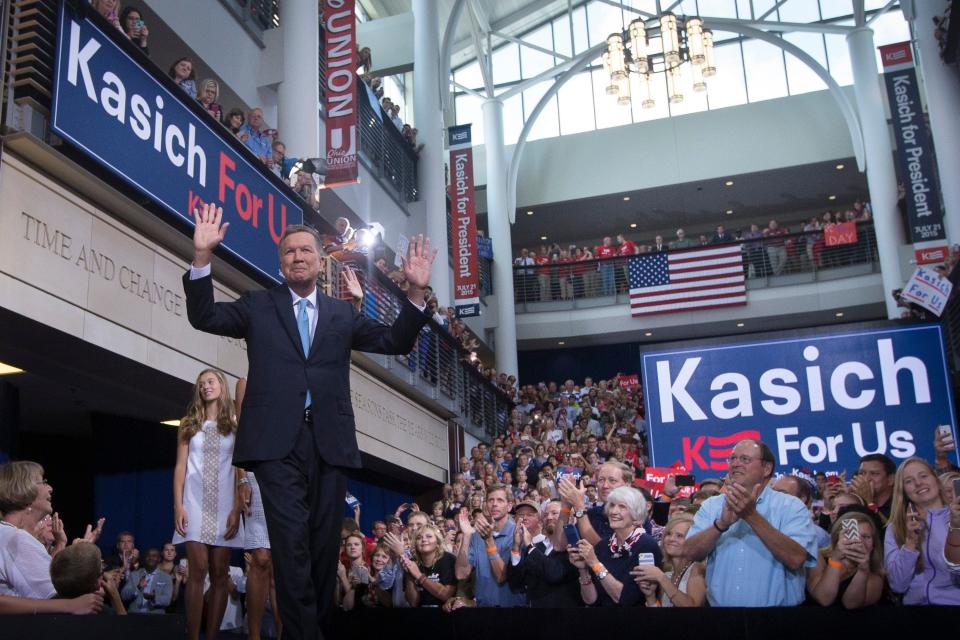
486,549
757,541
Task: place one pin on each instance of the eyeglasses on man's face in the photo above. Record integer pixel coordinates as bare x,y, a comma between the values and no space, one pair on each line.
744,460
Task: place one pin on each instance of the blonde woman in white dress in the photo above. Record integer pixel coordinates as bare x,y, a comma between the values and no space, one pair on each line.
206,501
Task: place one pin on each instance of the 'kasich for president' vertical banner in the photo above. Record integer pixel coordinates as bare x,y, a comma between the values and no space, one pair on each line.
463,223
107,105
340,88
821,401
915,159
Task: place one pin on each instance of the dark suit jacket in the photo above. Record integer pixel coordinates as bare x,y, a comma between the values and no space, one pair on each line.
279,373
549,581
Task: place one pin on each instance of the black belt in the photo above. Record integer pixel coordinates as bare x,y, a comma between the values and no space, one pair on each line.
308,415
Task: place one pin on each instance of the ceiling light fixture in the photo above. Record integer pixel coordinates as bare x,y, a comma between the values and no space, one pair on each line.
832,197
529,213
660,44
543,237
839,314
8,369
626,198
840,167
728,183
648,333
739,324
729,211
561,342
633,225
171,423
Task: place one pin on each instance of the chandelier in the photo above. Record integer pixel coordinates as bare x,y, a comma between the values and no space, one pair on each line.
658,45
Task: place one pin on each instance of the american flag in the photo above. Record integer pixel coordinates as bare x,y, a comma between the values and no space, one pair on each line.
686,280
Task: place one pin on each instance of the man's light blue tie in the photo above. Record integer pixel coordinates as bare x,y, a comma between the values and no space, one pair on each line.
303,326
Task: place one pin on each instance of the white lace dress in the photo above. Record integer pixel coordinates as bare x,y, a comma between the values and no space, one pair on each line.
255,525
208,491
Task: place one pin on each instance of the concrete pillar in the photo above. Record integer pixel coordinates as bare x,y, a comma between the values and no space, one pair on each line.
942,92
428,119
298,96
498,219
881,176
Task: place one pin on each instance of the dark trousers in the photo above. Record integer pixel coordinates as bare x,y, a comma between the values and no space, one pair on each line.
303,503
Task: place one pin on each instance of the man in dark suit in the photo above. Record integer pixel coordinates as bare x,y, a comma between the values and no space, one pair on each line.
297,429
721,236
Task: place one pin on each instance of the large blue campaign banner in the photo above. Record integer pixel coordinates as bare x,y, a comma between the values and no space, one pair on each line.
821,401
109,106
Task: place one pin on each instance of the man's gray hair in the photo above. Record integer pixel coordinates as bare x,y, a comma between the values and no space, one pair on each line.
632,499
290,229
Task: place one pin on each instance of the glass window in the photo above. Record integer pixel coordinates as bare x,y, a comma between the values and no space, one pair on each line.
717,8
727,88
760,7
609,112
470,110
838,57
548,124
744,11
561,36
512,119
532,61
835,8
469,76
658,91
576,105
763,63
693,101
603,19
889,28
801,11
800,77
506,63
561,32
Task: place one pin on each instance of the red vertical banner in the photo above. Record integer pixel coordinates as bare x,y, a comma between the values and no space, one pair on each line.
340,84
463,223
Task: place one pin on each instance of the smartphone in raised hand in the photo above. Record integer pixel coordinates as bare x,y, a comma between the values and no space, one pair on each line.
572,534
645,559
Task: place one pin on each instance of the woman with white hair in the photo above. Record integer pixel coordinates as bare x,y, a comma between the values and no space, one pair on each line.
605,568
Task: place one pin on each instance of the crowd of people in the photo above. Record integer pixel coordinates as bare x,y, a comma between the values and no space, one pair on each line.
554,513
564,273
390,109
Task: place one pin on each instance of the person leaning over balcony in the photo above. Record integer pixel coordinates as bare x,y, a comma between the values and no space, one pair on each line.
183,74
257,140
235,121
108,9
682,241
207,96
776,246
757,541
131,21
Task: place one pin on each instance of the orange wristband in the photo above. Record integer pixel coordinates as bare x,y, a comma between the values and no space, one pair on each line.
565,510
596,567
492,549
833,563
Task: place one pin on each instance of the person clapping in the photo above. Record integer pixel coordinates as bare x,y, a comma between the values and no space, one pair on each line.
850,571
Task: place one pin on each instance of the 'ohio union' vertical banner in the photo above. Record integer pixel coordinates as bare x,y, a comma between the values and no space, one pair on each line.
463,223
821,401
340,88
915,160
116,112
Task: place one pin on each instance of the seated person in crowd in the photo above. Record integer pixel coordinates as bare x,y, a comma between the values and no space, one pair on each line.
148,590
849,572
683,584
757,541
430,578
485,550
25,500
915,544
77,571
539,565
604,568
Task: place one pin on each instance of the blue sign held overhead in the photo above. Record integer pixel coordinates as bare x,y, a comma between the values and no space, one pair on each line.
821,401
115,111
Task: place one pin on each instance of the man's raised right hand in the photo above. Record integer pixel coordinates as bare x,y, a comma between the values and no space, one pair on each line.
208,233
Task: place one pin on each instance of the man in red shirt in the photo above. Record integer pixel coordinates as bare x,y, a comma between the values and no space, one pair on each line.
543,275
776,247
606,252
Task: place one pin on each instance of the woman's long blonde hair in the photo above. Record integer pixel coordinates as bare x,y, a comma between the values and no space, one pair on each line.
680,518
900,502
420,560
197,414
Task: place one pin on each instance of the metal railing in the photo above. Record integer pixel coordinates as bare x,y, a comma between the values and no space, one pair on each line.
784,260
259,14
437,365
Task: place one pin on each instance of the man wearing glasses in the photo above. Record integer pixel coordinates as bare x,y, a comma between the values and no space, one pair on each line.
757,541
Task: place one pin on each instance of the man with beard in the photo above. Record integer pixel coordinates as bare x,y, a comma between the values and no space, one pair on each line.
538,561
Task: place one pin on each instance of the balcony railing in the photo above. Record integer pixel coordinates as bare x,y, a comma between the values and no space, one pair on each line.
767,262
437,365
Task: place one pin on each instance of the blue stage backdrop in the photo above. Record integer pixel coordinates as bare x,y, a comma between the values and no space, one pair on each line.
114,110
821,400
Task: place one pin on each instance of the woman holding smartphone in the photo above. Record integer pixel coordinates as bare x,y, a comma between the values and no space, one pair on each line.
850,571
916,538
131,22
206,503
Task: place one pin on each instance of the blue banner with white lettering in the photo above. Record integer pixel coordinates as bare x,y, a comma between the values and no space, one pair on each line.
821,401
113,109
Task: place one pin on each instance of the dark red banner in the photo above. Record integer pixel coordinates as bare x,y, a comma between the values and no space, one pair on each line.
340,84
463,223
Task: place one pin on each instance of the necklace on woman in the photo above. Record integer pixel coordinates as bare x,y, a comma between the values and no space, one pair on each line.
677,576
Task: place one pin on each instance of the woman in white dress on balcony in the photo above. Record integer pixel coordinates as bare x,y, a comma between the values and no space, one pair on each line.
206,502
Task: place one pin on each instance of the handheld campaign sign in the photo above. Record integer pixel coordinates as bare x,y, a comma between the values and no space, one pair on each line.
821,399
116,112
